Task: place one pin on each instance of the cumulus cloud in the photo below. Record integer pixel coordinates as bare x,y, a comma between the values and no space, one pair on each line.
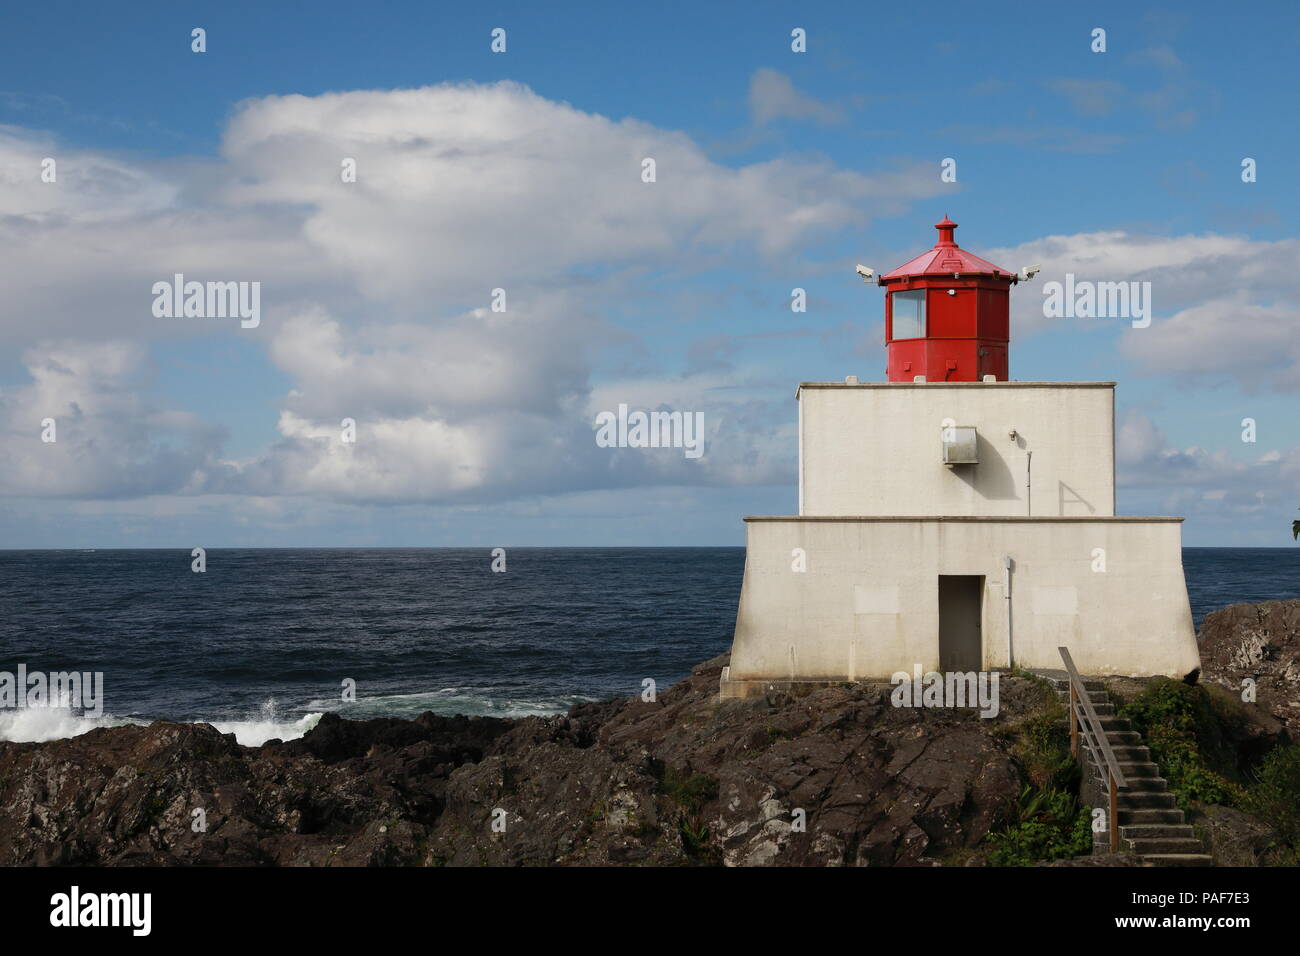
462,187
374,293
514,417
1258,346
79,187
1204,483
1224,306
109,442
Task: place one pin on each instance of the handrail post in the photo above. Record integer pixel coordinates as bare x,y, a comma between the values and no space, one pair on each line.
1084,721
1113,822
1074,722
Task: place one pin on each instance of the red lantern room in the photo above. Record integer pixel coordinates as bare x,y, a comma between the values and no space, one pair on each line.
947,315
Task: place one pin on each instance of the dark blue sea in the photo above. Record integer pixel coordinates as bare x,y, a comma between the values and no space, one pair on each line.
261,642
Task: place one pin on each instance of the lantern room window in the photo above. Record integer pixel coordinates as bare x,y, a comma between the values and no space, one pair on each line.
909,314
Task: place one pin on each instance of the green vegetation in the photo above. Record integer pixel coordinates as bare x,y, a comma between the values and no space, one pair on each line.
1193,734
1187,730
686,791
1049,823
1044,752
1042,747
1273,798
688,795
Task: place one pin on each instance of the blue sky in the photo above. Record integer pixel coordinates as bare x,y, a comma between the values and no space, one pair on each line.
776,170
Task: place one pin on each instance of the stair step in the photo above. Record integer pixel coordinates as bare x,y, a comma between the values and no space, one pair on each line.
1131,753
1095,697
1148,845
1136,784
1147,816
1150,823
1153,800
1155,831
1130,768
1177,859
1123,738
1063,683
1134,774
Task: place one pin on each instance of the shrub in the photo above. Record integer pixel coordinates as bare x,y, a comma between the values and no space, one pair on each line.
1275,797
1048,823
1050,826
688,795
1182,725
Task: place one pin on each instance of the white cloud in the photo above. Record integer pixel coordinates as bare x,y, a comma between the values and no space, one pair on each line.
374,292
1224,306
502,419
1256,345
88,187
1208,485
772,97
465,188
109,441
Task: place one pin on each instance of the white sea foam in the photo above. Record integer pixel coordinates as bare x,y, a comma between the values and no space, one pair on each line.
38,724
254,733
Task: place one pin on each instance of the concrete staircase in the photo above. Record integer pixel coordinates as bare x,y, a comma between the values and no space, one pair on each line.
1150,822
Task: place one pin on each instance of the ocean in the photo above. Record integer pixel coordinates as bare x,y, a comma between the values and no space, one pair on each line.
260,644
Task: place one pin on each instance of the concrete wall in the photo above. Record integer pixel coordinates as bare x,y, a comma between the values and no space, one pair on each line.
867,605
875,449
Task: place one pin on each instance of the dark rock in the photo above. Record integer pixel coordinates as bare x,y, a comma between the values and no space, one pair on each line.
1234,838
1260,642
1100,859
687,779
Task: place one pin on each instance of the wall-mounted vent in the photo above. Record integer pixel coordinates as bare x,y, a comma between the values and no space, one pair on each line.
959,445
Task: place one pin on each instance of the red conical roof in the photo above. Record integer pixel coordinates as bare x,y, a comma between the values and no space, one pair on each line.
945,258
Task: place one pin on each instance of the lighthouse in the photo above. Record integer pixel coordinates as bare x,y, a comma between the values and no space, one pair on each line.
947,315
952,519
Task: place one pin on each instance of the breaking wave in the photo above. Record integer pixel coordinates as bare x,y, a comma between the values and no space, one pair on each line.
39,724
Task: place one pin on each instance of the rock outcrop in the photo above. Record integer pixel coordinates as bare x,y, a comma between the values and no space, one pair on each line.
830,776
1234,838
1260,642
835,776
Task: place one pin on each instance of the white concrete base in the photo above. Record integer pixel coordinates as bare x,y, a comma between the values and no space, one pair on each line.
867,606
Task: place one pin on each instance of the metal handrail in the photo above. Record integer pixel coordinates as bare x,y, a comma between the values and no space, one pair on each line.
1090,725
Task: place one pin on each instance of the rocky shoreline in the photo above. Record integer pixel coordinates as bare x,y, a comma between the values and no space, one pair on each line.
834,776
